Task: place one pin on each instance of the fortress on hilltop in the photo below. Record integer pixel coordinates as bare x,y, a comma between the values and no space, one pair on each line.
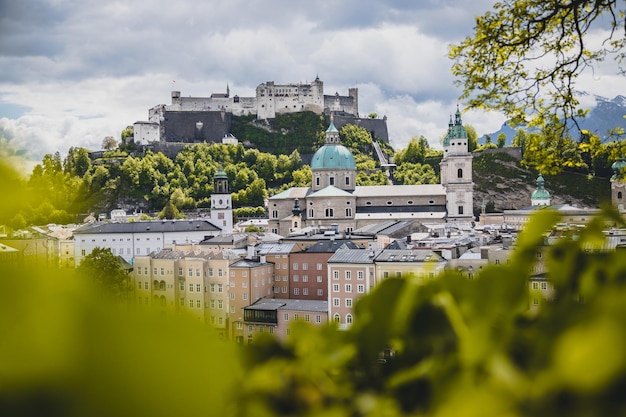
208,119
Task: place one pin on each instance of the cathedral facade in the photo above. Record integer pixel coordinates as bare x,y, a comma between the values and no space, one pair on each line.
334,200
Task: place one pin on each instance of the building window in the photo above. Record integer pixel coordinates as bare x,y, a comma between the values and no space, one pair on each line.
535,285
197,272
305,291
348,275
318,318
212,303
154,271
319,266
544,286
181,286
190,303
619,195
198,305
296,291
317,180
311,213
210,272
459,173
335,287
162,271
198,288
348,287
460,209
347,180
180,271
320,292
182,302
337,318
212,287
274,214
305,278
331,180
329,212
295,266
360,288
220,304
348,212
348,302
359,275
349,319
296,278
285,316
307,318
245,295
335,274
319,278
190,287
305,266
220,288
145,286
190,272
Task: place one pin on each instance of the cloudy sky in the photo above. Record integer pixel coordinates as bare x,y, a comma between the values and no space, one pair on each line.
75,71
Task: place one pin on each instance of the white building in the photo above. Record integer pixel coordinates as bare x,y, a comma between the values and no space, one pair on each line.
139,238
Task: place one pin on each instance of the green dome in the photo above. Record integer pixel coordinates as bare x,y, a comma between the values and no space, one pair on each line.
617,167
333,157
540,193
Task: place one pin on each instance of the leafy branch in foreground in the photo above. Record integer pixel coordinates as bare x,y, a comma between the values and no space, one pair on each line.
525,56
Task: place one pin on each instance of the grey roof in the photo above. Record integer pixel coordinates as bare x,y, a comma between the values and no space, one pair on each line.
275,248
161,226
228,239
293,192
248,263
408,255
289,304
330,246
374,228
354,256
168,253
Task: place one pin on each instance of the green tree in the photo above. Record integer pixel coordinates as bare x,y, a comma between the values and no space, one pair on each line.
170,211
498,65
501,140
472,138
107,271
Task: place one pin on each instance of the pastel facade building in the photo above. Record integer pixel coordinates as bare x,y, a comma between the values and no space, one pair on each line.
351,274
249,280
275,316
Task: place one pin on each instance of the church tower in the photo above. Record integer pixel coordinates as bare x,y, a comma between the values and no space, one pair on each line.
541,196
221,203
618,185
456,172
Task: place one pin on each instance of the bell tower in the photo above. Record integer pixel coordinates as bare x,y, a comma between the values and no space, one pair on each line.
221,203
456,172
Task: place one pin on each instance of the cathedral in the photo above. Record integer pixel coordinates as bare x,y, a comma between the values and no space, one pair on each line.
334,201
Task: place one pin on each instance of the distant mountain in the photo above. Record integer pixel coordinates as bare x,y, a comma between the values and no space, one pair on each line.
608,114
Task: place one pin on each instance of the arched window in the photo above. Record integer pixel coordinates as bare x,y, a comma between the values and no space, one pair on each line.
329,212
348,212
295,224
619,195
459,173
162,285
155,284
317,180
349,319
337,318
311,213
348,180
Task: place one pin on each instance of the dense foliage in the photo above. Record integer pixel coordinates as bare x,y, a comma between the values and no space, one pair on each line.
525,57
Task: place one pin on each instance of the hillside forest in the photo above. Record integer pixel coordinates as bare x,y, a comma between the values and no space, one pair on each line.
73,187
